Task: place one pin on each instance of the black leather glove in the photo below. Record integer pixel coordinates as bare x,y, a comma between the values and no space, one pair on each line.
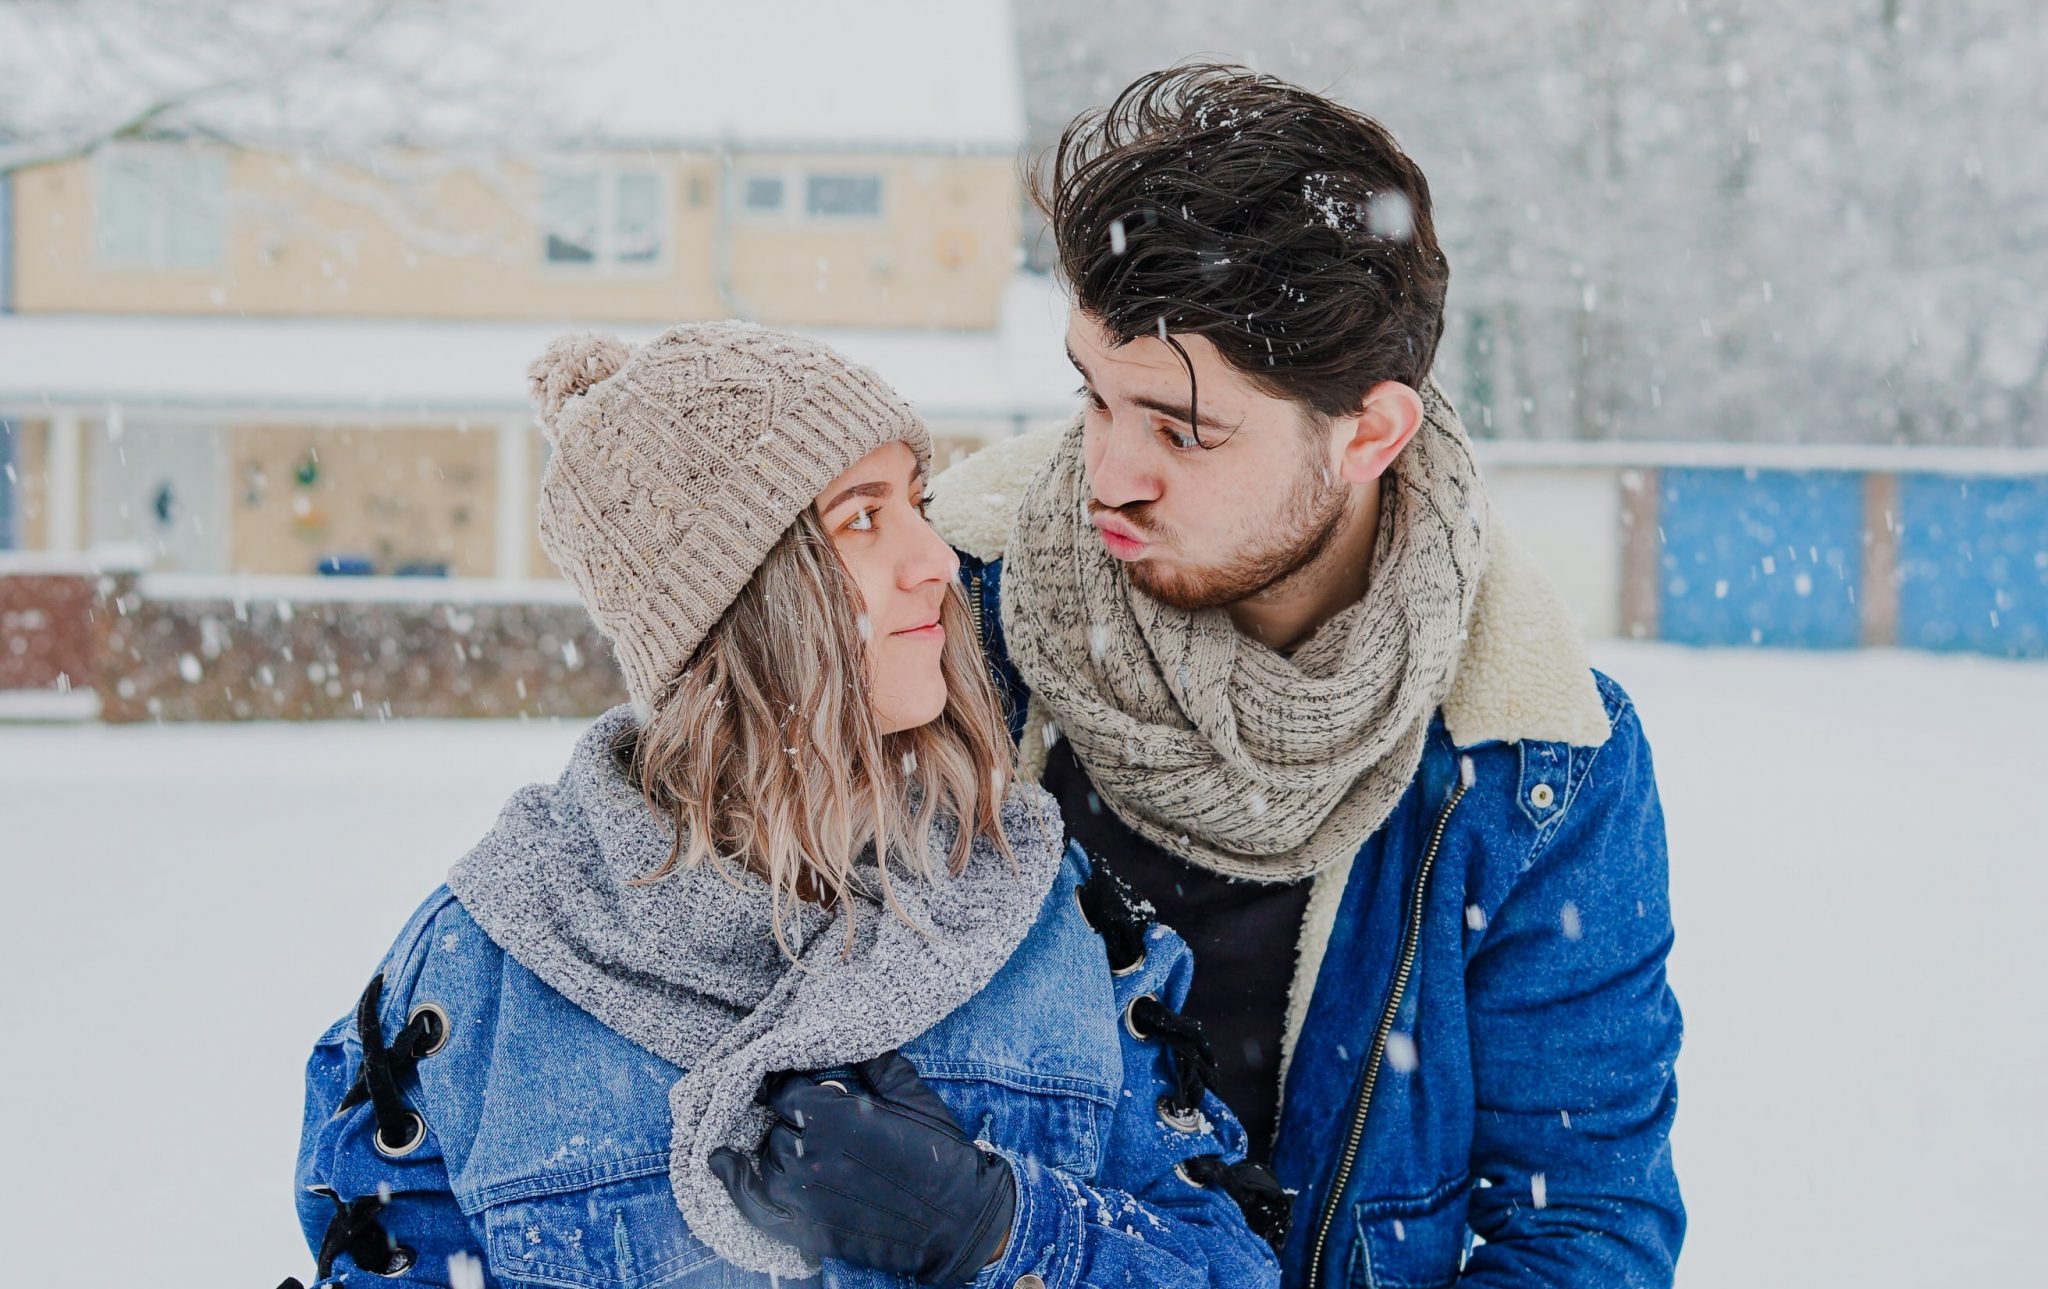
875,1172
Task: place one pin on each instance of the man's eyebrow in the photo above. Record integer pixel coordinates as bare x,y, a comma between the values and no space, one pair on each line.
1160,405
878,489
1179,412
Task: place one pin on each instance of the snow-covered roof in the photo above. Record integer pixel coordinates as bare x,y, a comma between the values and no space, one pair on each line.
393,369
519,74
794,72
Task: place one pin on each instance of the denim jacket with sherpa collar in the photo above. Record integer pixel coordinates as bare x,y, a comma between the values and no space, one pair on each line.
1477,1073
491,1131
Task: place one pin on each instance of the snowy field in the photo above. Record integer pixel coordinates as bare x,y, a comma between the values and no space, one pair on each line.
1858,868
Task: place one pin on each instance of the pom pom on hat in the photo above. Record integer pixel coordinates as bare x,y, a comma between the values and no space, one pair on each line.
572,364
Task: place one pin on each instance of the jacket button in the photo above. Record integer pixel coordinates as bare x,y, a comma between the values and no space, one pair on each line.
1542,795
1029,1280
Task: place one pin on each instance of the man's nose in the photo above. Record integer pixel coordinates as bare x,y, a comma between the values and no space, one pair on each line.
1121,476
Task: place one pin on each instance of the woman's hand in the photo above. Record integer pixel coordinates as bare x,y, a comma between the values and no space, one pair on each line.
875,1173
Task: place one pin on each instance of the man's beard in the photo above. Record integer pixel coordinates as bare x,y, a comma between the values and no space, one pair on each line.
1303,531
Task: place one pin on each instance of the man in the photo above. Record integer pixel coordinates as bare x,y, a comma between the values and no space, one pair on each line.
1293,684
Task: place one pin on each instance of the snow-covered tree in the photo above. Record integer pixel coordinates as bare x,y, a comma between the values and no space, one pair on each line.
1690,219
376,99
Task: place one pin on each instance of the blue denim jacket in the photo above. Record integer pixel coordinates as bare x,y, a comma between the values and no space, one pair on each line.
1481,1090
547,1134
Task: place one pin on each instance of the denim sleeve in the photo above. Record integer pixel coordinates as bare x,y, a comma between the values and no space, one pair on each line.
401,1207
1574,1034
1139,1221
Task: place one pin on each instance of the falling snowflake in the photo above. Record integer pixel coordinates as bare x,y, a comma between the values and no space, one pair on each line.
1401,1055
1391,215
465,1272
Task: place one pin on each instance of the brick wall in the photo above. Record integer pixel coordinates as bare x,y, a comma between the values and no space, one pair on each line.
229,656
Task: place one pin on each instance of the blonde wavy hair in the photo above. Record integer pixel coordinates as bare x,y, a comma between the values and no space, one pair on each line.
766,751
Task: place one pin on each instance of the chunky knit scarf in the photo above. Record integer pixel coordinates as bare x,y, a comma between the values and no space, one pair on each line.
1233,756
688,966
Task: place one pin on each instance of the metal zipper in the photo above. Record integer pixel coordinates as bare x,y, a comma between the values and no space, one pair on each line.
974,607
1410,942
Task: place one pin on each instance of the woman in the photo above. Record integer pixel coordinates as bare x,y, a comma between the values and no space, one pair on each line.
572,1067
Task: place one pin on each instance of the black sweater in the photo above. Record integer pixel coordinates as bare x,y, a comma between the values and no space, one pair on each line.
1244,936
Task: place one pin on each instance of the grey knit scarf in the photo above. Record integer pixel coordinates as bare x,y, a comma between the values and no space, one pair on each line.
688,968
1231,755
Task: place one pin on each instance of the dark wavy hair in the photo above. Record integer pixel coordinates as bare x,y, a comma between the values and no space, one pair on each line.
1290,230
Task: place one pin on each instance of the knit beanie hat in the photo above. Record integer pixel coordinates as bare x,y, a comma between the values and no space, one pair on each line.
676,468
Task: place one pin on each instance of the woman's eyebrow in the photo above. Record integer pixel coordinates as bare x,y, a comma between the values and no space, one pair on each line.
877,489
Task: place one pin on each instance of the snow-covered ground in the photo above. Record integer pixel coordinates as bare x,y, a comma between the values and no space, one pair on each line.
1858,868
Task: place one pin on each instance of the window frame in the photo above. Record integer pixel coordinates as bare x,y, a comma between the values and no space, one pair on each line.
795,211
605,261
881,211
158,160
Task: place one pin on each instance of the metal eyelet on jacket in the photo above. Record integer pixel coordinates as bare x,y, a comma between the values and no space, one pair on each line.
416,1133
355,1230
1114,912
400,1129
1188,1119
1267,1206
1194,1064
401,1262
1131,1021
434,1031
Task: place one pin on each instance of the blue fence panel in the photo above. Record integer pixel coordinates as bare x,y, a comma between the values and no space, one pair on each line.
1761,557
1973,564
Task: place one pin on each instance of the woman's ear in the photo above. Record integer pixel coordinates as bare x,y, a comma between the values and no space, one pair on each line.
1368,442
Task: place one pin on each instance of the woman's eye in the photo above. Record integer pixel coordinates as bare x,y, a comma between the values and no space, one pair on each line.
862,521
1179,440
924,503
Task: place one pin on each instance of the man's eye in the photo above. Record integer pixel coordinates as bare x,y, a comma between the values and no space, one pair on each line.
1094,400
862,521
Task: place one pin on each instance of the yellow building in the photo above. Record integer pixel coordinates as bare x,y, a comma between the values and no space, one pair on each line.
251,357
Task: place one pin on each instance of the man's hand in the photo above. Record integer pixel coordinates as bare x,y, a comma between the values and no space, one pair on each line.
875,1173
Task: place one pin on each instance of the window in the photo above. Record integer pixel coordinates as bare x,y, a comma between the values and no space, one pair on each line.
603,217
843,196
160,206
797,196
762,194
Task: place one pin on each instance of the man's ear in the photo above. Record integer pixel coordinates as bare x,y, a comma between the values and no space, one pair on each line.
1368,442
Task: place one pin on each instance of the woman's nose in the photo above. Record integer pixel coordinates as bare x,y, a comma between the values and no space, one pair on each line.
928,559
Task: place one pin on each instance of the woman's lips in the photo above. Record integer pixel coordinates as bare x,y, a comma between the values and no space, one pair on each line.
929,631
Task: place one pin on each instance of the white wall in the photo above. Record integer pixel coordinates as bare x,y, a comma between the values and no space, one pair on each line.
1570,518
